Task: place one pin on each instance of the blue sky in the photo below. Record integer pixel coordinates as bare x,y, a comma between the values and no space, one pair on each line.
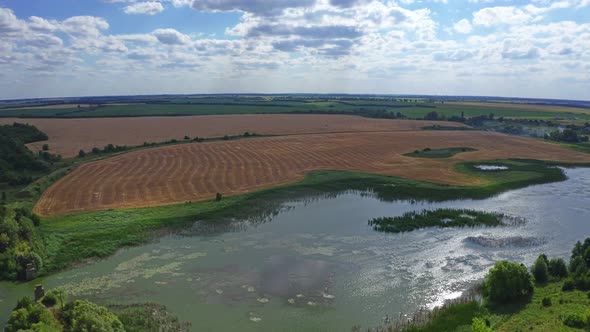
527,48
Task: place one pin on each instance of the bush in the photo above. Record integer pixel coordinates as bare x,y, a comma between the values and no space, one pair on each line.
45,147
218,197
81,154
508,281
540,270
575,321
568,285
30,316
479,325
546,302
87,316
49,300
36,220
557,268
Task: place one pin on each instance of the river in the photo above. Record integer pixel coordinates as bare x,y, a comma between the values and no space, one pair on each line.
314,264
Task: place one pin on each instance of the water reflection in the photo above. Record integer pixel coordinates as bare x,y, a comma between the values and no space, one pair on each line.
312,262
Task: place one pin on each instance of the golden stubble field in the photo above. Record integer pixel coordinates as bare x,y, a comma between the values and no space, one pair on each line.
197,171
68,136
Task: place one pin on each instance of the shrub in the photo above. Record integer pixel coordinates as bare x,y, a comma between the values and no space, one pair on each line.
49,300
568,285
36,220
218,197
81,154
479,325
546,302
575,321
508,281
87,316
557,268
45,147
540,270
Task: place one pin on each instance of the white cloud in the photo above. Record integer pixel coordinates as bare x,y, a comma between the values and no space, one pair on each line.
463,26
492,16
145,8
171,37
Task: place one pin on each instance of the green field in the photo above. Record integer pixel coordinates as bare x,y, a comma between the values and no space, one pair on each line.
177,106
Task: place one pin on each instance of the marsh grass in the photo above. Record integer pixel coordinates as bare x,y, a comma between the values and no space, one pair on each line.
443,218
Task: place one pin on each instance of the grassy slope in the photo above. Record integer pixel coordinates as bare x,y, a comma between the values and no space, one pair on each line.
518,317
456,318
73,238
535,317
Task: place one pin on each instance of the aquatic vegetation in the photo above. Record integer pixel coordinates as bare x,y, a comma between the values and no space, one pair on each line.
438,218
438,153
148,317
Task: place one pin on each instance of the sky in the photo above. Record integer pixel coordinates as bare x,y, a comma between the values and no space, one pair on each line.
59,48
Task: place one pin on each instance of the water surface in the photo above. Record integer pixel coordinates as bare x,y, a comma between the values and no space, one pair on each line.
316,265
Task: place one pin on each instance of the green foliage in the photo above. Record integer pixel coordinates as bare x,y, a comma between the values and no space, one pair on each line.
451,318
218,197
149,317
508,281
443,218
479,325
568,285
546,302
82,316
20,243
577,320
540,270
438,153
557,268
567,135
49,300
81,154
18,164
29,315
56,296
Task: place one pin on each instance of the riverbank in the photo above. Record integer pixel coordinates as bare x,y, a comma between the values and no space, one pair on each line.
74,238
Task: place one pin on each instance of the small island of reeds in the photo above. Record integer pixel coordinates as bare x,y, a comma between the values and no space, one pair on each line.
442,218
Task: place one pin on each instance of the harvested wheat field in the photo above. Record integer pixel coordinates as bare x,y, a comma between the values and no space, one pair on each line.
191,172
68,136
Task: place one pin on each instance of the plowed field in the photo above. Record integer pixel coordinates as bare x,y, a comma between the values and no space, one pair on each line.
191,172
68,136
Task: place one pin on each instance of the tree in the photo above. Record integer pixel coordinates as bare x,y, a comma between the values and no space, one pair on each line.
45,147
87,316
31,316
557,268
81,154
3,196
540,270
431,116
508,281
218,197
